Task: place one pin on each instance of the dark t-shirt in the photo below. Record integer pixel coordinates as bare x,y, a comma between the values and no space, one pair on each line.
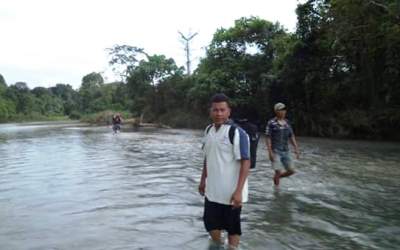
116,120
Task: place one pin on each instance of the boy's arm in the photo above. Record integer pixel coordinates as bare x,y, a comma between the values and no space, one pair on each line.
293,141
236,199
202,185
268,141
269,148
243,154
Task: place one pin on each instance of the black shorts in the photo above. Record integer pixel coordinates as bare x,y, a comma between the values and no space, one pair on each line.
222,217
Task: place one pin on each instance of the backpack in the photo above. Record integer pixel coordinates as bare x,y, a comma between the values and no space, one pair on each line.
251,130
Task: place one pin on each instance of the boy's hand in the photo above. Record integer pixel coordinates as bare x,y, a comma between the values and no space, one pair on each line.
271,156
202,188
236,200
297,153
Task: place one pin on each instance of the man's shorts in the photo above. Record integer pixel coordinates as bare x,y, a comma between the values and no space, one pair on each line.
116,127
222,217
282,158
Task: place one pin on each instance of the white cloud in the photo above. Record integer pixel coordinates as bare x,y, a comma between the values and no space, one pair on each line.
45,42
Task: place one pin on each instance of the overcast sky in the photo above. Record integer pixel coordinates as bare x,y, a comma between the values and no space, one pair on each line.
45,42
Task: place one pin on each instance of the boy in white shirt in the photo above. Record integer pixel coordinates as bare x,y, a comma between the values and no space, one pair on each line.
224,176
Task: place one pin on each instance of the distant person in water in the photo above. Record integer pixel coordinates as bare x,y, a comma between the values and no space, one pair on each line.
116,122
279,133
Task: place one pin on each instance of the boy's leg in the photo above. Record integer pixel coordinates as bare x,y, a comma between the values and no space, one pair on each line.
277,176
233,241
233,226
212,220
275,166
287,173
216,236
287,162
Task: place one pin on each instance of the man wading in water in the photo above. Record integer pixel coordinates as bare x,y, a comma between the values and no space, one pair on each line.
279,133
224,176
116,123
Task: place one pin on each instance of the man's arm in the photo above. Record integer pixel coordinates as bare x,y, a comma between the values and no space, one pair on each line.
292,141
269,148
202,185
268,141
242,142
236,199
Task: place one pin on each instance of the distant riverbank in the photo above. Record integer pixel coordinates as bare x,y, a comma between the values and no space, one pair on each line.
35,118
178,120
169,120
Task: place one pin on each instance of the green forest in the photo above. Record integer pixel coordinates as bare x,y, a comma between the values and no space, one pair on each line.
338,73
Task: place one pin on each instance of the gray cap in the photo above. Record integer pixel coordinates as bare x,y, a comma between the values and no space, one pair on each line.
279,106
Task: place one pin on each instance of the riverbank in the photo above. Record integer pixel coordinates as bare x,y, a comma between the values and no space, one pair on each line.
179,120
168,120
36,118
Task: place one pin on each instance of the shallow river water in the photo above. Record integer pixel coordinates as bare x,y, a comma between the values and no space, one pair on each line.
66,186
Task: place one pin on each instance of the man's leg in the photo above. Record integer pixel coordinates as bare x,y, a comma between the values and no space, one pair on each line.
232,219
216,236
233,241
275,166
288,164
287,173
212,220
277,176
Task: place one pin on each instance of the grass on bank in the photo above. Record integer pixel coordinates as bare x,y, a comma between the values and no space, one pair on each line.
34,118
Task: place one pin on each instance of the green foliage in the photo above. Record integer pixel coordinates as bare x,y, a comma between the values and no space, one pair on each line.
145,80
70,98
90,93
3,83
75,115
92,79
19,103
184,119
342,73
124,58
243,62
338,74
7,110
47,103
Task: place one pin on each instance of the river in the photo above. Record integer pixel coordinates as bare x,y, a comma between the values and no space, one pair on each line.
67,186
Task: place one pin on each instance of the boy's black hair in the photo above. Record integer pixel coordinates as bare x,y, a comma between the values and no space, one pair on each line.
220,97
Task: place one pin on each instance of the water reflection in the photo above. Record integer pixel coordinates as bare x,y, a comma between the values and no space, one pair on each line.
279,212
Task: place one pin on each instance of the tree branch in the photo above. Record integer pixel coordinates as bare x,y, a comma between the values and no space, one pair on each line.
379,5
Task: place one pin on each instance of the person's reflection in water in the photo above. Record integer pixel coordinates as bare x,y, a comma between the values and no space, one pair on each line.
212,245
280,212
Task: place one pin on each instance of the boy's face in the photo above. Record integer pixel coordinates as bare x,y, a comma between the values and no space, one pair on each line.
280,113
220,112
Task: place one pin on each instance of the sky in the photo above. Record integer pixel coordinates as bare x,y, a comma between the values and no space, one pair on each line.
45,42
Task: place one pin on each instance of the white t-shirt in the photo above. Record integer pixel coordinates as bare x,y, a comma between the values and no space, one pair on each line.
223,163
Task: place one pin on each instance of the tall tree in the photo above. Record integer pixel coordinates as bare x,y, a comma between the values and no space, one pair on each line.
144,79
2,81
89,91
240,61
69,97
124,59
